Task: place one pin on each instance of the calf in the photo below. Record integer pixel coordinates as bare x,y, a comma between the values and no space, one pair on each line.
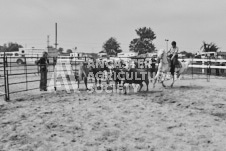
136,76
100,71
118,76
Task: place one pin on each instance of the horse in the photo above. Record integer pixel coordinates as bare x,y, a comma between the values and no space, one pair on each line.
102,69
83,71
164,68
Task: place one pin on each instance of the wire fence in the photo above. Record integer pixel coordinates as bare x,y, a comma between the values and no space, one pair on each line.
17,78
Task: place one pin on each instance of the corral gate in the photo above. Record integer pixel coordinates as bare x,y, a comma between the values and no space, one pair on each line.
7,69
4,89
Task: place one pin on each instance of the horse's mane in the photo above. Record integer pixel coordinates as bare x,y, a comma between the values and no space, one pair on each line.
160,52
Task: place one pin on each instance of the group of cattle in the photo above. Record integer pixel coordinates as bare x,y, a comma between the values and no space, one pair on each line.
120,72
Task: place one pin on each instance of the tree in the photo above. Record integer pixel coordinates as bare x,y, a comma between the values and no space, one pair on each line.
60,50
10,47
1,49
69,51
50,47
211,47
112,47
143,44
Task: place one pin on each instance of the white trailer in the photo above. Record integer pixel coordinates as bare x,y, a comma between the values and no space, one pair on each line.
30,54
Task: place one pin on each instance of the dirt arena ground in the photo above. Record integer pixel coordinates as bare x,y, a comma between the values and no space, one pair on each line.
191,116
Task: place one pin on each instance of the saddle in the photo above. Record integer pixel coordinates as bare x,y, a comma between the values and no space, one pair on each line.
178,64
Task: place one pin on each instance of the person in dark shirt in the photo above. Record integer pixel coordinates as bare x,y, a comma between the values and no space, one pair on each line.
43,64
153,69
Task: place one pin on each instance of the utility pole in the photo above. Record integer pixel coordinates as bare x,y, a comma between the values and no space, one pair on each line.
56,36
55,58
166,44
47,41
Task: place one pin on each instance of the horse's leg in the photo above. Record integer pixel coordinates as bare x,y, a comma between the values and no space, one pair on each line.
147,83
85,81
178,75
99,81
124,87
162,80
116,85
108,79
173,81
163,83
78,83
152,76
95,82
109,75
141,85
155,78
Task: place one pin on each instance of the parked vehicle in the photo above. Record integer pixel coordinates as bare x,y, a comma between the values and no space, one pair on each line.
204,55
12,57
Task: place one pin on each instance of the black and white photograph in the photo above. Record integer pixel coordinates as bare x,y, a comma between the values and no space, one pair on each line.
112,75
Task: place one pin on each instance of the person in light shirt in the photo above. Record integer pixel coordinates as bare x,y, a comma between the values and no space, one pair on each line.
173,55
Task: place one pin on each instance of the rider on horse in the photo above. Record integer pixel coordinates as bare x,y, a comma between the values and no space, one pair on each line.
173,56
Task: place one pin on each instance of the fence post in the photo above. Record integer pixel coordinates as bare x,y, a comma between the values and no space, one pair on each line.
54,72
78,82
7,86
5,78
38,65
10,65
26,72
192,67
203,70
208,68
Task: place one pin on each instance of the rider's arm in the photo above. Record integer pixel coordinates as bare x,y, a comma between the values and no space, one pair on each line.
38,61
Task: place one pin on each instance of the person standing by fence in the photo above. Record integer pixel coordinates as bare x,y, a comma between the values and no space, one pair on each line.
43,64
153,68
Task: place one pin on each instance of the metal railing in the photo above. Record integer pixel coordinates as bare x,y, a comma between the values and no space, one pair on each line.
16,78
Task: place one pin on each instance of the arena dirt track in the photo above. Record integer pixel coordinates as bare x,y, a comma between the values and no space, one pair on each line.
191,116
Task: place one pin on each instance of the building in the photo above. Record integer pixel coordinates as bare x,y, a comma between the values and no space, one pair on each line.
221,55
127,54
102,54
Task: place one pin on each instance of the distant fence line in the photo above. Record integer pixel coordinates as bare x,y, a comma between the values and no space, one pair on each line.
9,71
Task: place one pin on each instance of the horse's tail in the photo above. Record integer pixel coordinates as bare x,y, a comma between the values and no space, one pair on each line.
188,63
185,66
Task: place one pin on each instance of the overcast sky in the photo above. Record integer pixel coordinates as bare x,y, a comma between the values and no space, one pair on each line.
87,24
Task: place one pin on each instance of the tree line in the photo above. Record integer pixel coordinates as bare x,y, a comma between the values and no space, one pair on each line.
142,44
